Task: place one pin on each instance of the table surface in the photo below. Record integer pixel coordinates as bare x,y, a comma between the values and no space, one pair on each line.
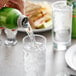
11,58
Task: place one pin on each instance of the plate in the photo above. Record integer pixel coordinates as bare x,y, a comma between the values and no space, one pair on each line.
70,57
37,30
42,29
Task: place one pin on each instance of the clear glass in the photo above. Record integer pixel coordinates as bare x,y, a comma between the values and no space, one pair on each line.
10,37
62,23
0,37
34,55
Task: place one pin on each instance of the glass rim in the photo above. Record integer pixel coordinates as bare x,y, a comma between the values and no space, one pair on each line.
55,6
35,35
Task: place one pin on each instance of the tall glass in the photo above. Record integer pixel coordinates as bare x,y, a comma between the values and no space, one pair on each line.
1,41
62,23
0,37
34,55
10,37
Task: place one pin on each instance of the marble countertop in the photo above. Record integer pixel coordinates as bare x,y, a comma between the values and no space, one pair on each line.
11,58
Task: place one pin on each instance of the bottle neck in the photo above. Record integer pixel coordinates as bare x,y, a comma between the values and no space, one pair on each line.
22,21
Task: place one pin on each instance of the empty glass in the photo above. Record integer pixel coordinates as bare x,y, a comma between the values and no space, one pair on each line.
62,23
34,55
10,37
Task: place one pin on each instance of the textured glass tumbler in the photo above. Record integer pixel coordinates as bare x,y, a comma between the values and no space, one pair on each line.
10,37
62,23
34,55
0,37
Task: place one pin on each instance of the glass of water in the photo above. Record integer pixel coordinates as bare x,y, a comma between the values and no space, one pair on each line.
1,40
0,37
10,37
34,55
62,23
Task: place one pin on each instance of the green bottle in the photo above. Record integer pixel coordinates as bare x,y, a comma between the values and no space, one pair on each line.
74,17
74,20
12,18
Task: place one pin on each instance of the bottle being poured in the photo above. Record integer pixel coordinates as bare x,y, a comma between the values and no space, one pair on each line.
19,5
13,19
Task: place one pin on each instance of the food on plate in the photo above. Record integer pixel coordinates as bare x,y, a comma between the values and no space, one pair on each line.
2,3
18,4
39,14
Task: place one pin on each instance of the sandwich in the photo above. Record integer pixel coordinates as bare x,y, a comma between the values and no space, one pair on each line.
39,14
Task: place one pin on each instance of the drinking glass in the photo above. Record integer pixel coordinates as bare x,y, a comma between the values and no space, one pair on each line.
1,41
10,37
34,55
0,37
62,23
